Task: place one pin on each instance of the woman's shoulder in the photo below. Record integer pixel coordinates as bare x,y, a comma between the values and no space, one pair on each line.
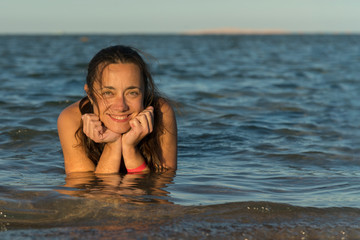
70,115
168,116
165,106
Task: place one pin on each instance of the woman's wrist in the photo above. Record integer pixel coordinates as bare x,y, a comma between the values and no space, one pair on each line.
140,168
133,159
130,154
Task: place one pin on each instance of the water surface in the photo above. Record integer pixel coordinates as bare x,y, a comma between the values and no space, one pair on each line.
269,138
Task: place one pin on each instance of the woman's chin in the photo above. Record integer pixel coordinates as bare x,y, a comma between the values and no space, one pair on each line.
120,130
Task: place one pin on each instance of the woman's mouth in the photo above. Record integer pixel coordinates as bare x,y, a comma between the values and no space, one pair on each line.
119,118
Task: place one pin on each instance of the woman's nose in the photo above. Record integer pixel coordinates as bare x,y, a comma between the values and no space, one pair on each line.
120,104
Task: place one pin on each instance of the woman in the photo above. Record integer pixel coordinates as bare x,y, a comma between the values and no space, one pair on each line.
123,124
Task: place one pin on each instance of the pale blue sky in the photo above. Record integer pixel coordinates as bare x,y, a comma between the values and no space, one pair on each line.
173,16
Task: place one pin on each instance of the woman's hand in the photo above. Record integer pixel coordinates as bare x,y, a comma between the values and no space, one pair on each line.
141,126
96,131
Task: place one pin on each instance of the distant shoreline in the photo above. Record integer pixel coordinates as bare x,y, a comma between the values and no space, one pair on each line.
236,31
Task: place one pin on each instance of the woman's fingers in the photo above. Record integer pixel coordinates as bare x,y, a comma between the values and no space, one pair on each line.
92,127
141,126
145,122
146,119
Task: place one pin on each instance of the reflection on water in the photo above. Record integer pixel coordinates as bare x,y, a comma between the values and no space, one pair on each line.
88,199
129,188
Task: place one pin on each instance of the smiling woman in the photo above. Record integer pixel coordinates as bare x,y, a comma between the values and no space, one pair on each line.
123,124
119,96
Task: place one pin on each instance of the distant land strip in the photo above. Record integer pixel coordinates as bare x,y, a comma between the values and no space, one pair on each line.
239,31
234,31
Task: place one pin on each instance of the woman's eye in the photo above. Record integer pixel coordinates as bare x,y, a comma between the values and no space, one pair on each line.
107,93
133,93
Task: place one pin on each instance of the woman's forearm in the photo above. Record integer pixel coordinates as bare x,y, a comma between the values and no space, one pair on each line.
110,159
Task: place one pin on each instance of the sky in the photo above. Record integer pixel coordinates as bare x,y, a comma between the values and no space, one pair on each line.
177,16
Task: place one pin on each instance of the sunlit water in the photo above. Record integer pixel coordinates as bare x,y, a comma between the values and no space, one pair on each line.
269,140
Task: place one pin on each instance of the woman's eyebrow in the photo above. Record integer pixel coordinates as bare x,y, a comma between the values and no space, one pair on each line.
112,88
108,87
133,87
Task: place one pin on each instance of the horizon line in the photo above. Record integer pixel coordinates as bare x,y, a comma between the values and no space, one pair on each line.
218,31
180,33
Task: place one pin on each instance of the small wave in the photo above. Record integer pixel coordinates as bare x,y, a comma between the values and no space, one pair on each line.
36,121
63,103
28,135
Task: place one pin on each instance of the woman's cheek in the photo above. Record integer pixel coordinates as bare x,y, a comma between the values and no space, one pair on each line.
96,110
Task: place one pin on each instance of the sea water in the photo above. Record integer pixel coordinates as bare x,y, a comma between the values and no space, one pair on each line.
269,140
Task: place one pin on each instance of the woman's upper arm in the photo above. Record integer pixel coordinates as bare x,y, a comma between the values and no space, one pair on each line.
169,138
75,158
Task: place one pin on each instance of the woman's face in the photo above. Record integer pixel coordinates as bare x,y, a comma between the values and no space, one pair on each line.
119,96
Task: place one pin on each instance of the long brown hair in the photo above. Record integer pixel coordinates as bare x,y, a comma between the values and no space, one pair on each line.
150,145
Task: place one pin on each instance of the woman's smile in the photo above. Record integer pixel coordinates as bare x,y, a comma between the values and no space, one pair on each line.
119,118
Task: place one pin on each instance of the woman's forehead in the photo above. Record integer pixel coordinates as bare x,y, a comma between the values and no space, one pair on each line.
121,74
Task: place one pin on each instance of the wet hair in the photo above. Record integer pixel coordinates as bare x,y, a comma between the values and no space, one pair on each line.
150,145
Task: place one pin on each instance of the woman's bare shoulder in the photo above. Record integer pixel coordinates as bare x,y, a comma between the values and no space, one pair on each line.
165,106
168,115
70,115
168,139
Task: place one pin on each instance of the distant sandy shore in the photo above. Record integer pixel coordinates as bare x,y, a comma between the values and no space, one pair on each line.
234,31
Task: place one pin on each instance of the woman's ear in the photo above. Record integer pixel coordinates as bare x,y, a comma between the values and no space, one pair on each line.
86,88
